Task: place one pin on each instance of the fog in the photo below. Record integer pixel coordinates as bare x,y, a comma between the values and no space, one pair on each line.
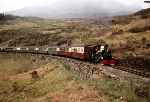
70,8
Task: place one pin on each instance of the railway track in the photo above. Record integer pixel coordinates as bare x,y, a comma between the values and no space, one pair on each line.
93,68
122,68
133,71
86,68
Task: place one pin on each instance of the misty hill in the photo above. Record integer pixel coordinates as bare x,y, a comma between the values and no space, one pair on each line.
126,19
145,13
4,17
76,9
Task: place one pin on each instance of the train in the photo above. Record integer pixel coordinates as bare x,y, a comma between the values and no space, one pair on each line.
92,53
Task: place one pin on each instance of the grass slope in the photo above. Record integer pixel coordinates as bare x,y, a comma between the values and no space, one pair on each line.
56,83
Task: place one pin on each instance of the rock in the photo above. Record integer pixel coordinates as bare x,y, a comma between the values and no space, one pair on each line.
142,91
35,75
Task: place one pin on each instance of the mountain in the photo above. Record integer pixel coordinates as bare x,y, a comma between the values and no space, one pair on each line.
144,12
76,9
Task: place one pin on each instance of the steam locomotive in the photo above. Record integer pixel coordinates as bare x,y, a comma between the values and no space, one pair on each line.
92,53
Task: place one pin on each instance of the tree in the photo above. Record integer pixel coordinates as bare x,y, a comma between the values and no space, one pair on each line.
2,16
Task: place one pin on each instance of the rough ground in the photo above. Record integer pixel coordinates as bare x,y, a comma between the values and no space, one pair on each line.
56,81
52,83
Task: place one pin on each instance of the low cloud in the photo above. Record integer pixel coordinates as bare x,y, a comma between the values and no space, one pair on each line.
69,8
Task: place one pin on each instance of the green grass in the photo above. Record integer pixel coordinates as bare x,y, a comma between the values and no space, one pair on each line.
20,88
13,64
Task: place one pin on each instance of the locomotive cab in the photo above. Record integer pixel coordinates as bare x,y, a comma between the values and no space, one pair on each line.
93,53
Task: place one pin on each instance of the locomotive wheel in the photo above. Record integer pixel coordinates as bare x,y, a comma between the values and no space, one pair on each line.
95,58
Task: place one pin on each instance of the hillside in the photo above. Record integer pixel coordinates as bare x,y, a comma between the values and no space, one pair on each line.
44,32
131,33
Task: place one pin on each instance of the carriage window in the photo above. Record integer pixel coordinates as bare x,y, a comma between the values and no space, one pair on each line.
75,50
78,49
62,49
81,49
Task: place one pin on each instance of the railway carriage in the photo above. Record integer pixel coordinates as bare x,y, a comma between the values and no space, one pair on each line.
52,50
8,49
74,52
21,49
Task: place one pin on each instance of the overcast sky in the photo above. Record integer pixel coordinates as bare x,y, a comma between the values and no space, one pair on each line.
9,5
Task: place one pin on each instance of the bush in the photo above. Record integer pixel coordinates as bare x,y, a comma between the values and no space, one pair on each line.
117,30
138,29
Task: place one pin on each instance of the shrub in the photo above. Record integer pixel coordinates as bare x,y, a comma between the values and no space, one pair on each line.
138,29
117,30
